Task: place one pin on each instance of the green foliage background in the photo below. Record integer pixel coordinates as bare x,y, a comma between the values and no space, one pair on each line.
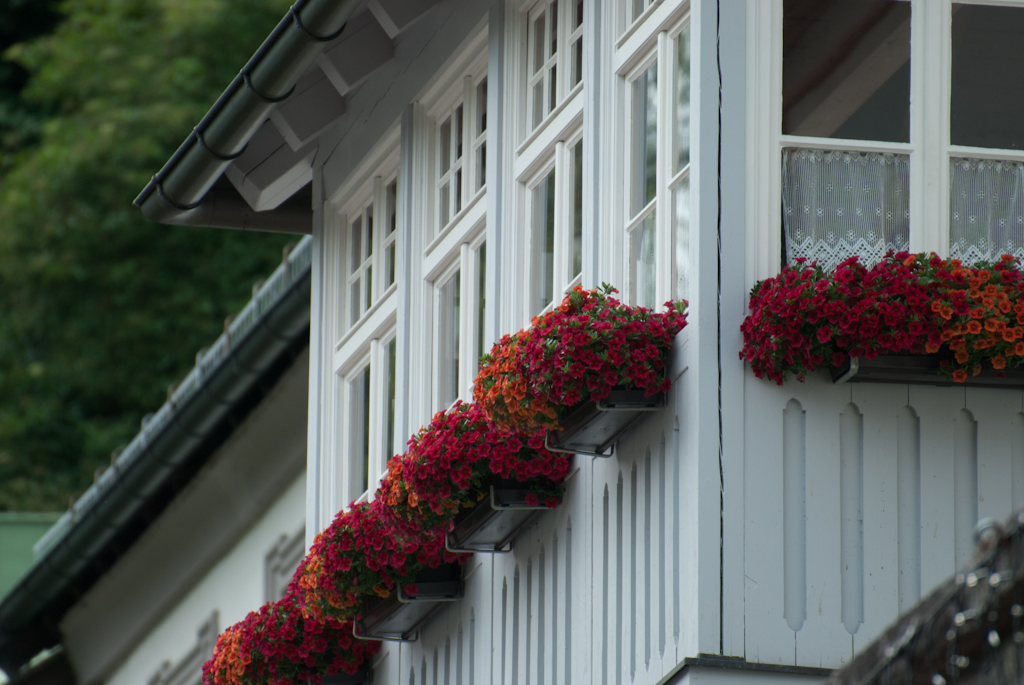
101,310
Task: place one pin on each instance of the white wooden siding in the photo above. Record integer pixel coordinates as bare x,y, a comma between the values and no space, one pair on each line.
891,480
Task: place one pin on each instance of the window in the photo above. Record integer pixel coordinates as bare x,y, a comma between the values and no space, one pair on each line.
893,139
371,249
657,166
554,55
461,150
555,210
369,415
458,323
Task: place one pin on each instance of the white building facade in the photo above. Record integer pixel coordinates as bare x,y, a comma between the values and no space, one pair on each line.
471,161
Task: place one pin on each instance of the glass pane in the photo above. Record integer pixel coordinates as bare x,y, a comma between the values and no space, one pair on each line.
578,14
986,209
367,287
369,231
481,107
354,310
442,197
638,9
448,341
458,191
577,61
839,204
552,87
987,99
389,265
576,258
444,145
357,244
359,417
846,69
391,207
458,133
481,166
645,139
553,38
481,299
389,412
681,235
681,101
538,43
538,103
642,248
544,242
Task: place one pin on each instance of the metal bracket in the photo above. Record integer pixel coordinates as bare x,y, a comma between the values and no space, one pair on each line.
603,455
356,635
854,368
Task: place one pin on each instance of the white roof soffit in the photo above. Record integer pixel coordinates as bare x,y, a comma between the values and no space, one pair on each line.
262,133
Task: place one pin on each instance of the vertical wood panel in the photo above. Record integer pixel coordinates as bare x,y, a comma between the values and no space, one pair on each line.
965,484
851,511
881,407
908,505
995,411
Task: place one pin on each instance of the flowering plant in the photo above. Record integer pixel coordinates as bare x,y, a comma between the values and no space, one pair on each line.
451,463
580,350
278,645
358,556
804,319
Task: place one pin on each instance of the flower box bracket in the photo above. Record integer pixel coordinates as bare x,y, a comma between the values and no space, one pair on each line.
491,527
593,428
397,617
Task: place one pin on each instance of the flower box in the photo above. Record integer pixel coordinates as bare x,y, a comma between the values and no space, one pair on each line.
360,677
494,523
593,427
919,370
397,616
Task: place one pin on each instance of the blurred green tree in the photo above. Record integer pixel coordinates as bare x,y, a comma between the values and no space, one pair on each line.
100,310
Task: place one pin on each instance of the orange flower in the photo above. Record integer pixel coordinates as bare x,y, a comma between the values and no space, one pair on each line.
1019,349
1008,335
909,260
959,375
1005,306
936,306
962,356
973,327
990,325
998,362
931,348
946,313
978,312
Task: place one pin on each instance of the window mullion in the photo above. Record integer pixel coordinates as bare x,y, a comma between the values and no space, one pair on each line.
466,310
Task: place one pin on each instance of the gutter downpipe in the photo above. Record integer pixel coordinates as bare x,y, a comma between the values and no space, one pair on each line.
274,321
177,193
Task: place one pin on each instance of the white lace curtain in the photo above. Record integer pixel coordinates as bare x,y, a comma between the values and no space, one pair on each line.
838,204
986,209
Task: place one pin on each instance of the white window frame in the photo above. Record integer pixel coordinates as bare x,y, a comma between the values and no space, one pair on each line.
562,61
929,148
365,342
652,37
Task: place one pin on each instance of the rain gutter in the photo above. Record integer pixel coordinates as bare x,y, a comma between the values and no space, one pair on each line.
178,193
228,381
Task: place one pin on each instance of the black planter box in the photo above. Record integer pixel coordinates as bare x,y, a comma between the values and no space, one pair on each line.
397,616
919,370
593,427
360,677
492,524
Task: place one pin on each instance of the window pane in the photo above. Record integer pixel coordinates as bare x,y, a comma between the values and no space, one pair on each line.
391,207
449,297
443,199
481,299
359,426
552,88
987,99
578,15
357,244
458,133
369,231
839,204
444,145
368,287
538,43
576,258
681,101
638,9
681,235
458,191
645,138
986,209
354,310
481,166
389,411
553,37
846,69
538,103
544,241
642,249
481,107
577,62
